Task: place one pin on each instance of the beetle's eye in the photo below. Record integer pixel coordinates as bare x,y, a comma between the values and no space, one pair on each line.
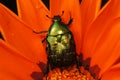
56,18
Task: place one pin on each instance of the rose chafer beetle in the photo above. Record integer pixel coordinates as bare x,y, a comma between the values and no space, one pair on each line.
61,47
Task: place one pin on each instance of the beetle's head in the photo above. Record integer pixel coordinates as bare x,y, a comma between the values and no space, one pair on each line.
56,18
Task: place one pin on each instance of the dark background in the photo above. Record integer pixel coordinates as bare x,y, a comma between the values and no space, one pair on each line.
11,4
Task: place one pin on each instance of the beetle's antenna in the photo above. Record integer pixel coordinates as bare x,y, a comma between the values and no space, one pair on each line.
48,17
62,13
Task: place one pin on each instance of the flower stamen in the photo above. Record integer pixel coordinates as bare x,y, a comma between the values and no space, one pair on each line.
70,73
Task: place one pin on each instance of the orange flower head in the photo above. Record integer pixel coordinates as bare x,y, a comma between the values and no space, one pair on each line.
71,73
96,35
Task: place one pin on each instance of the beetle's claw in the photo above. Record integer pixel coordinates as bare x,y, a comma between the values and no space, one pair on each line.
43,40
41,32
71,20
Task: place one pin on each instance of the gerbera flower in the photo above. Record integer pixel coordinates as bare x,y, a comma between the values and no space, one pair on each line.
96,33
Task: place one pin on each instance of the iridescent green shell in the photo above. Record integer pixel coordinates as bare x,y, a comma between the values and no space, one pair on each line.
61,47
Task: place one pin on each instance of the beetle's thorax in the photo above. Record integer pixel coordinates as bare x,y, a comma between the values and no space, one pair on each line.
58,28
57,35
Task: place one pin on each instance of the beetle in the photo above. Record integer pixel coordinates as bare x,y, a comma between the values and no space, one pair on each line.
60,46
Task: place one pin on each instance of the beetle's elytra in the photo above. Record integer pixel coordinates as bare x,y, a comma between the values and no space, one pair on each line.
60,44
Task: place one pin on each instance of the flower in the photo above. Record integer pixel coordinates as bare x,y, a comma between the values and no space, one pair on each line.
95,30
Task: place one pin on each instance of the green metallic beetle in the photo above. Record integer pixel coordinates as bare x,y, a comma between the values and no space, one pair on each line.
61,47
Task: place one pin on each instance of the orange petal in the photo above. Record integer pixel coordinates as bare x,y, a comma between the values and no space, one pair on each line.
89,9
20,36
34,12
13,66
55,6
76,25
100,24
105,48
71,9
112,74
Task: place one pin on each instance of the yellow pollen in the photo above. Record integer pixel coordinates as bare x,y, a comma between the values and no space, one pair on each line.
71,73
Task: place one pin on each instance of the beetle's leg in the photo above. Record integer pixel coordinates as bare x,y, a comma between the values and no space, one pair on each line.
77,63
43,40
70,21
40,32
48,68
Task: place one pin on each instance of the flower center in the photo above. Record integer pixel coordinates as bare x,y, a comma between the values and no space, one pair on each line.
70,73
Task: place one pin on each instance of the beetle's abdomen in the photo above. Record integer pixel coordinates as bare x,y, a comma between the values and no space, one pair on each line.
62,60
63,53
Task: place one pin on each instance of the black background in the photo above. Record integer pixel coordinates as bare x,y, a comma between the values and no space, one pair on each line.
11,4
